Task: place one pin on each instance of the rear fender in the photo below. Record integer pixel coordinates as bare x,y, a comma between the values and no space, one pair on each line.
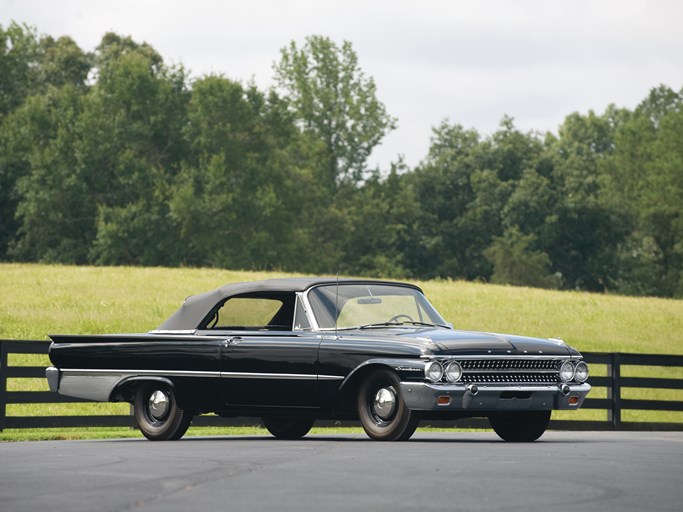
125,390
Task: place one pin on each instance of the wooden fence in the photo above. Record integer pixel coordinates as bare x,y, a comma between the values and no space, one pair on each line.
614,404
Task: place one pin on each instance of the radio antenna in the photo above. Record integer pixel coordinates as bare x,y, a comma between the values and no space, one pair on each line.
336,307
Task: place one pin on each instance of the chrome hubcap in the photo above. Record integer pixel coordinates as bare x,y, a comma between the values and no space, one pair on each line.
158,404
384,403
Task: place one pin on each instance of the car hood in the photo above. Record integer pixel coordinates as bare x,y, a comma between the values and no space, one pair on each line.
454,342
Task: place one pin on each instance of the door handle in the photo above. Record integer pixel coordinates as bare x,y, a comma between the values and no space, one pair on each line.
231,341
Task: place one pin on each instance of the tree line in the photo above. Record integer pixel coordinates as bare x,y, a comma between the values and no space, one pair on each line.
114,157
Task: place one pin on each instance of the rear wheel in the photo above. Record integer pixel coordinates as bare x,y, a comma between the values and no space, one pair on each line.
157,413
382,411
520,426
288,428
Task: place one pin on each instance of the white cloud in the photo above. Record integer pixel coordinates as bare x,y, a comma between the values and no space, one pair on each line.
468,61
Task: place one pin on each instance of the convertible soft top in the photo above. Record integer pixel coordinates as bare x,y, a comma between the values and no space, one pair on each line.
197,307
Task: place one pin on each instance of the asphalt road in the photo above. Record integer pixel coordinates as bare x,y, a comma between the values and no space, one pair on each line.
574,471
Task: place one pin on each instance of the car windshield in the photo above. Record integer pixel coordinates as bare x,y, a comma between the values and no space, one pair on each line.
364,306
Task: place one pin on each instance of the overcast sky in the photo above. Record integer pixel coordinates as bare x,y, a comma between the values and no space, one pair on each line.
469,62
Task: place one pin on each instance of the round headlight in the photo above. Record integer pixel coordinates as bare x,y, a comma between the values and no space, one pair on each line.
453,371
434,371
581,372
566,371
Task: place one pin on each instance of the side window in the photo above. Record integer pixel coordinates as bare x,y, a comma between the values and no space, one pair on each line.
300,320
248,313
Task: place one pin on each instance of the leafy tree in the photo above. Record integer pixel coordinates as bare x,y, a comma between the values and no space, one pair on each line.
113,48
512,152
97,152
463,188
531,205
115,158
53,210
584,227
383,218
442,188
31,67
236,200
335,102
19,55
516,263
646,172
29,63
131,151
61,62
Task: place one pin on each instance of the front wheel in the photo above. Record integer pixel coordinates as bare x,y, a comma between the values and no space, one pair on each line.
382,411
157,413
288,428
520,426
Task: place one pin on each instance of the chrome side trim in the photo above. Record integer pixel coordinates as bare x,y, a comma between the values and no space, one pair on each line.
330,377
144,338
172,331
278,376
99,384
193,373
139,373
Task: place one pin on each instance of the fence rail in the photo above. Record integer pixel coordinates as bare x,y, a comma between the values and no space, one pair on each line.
614,404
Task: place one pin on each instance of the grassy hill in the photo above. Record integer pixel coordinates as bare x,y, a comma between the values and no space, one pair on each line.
36,300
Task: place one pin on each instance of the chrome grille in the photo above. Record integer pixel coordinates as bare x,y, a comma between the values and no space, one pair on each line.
502,379
512,371
511,364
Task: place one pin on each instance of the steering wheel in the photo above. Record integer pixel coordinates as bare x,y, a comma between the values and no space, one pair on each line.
397,317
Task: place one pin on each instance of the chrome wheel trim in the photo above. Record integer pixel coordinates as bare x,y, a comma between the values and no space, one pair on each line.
384,403
158,405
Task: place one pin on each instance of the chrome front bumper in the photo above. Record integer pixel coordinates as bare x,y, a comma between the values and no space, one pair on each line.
423,396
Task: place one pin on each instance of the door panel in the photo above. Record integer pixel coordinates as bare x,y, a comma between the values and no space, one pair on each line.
270,370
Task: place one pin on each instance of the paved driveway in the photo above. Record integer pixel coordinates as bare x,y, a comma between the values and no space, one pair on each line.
573,471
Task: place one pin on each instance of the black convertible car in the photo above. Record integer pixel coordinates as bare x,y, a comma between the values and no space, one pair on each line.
295,350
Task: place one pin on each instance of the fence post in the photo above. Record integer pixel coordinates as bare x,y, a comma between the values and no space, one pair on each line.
3,384
614,391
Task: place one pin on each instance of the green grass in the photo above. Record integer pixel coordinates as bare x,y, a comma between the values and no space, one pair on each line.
59,434
36,300
72,434
591,322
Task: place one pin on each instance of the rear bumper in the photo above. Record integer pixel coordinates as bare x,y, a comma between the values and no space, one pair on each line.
422,396
87,384
52,375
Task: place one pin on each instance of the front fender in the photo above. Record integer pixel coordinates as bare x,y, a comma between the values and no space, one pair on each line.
406,369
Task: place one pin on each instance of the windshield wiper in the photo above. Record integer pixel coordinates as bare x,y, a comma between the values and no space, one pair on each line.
413,322
381,324
398,324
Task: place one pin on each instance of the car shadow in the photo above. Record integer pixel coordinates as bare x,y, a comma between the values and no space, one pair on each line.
460,439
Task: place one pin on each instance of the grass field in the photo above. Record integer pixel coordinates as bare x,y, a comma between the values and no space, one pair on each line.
36,300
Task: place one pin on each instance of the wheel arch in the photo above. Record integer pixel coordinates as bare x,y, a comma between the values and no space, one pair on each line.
348,390
125,390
